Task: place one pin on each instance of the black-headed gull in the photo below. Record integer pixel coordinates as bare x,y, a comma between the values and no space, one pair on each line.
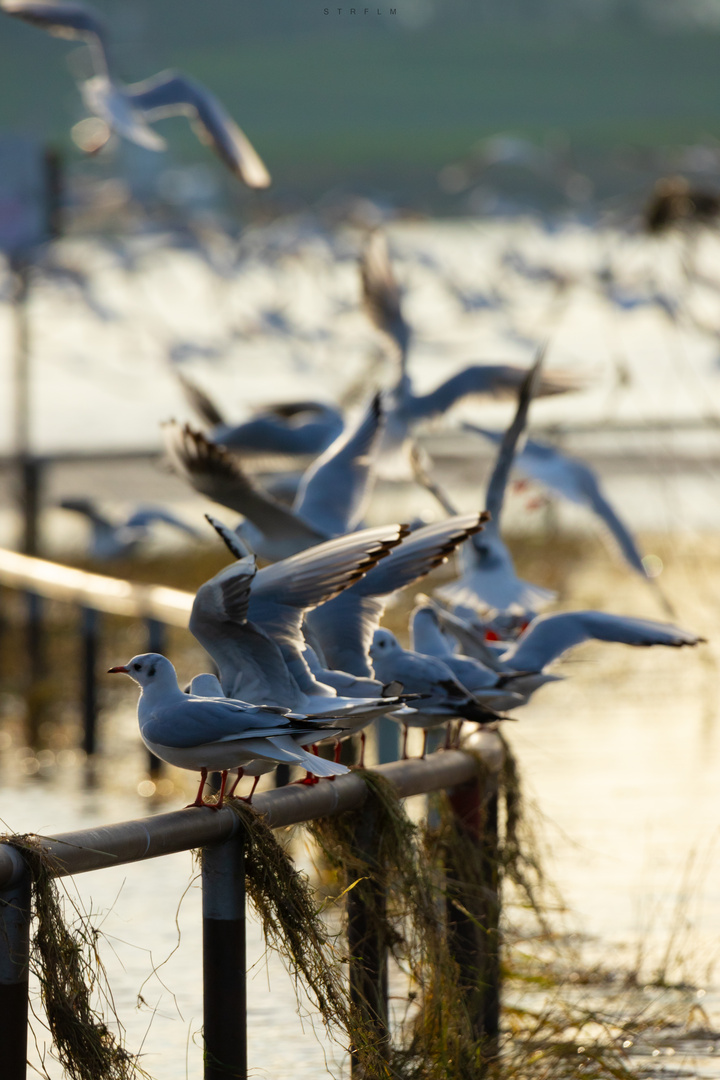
497,690
330,500
129,110
203,734
293,427
117,539
443,696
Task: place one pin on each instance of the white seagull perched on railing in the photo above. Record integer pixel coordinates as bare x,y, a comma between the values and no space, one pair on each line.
203,734
129,110
442,696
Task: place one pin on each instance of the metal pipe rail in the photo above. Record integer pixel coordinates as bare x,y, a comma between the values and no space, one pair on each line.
474,775
114,596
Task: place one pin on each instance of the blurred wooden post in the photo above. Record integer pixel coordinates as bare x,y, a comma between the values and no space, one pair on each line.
473,904
15,970
367,947
89,630
156,643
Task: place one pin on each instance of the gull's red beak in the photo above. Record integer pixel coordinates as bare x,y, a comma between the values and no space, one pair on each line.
115,670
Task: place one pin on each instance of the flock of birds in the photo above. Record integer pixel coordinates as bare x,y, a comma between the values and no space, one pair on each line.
300,656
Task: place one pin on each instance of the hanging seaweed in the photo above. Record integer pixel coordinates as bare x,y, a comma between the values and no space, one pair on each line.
294,928
67,964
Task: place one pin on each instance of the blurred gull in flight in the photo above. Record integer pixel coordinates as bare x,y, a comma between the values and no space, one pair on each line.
129,110
296,427
405,408
117,539
330,501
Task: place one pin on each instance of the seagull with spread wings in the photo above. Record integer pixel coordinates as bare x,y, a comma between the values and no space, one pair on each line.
330,500
130,110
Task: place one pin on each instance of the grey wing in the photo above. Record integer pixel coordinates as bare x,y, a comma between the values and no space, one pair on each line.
146,515
344,627
67,20
492,380
333,492
419,463
170,93
215,474
283,593
89,510
597,501
422,551
506,453
381,294
198,400
549,636
343,630
249,662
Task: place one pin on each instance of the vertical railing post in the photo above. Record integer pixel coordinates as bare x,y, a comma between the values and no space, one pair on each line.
387,734
89,627
367,947
473,905
14,972
156,643
224,987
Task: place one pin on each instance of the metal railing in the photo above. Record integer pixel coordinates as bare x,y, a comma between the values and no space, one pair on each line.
472,927
157,605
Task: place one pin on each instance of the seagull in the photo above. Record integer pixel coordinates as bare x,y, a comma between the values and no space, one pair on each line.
208,686
444,696
201,733
497,690
129,110
574,480
488,578
405,408
118,539
295,427
330,500
250,621
341,630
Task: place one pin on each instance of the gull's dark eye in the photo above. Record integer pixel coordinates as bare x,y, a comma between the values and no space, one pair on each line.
137,666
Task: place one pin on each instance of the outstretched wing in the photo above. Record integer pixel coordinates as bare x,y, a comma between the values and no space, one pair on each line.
198,400
334,491
343,628
214,473
381,294
170,93
549,636
490,380
506,453
147,515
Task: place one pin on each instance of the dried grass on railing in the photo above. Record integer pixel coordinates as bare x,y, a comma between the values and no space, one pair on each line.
72,980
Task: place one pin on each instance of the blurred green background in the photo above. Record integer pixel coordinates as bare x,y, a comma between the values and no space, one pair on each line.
383,102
